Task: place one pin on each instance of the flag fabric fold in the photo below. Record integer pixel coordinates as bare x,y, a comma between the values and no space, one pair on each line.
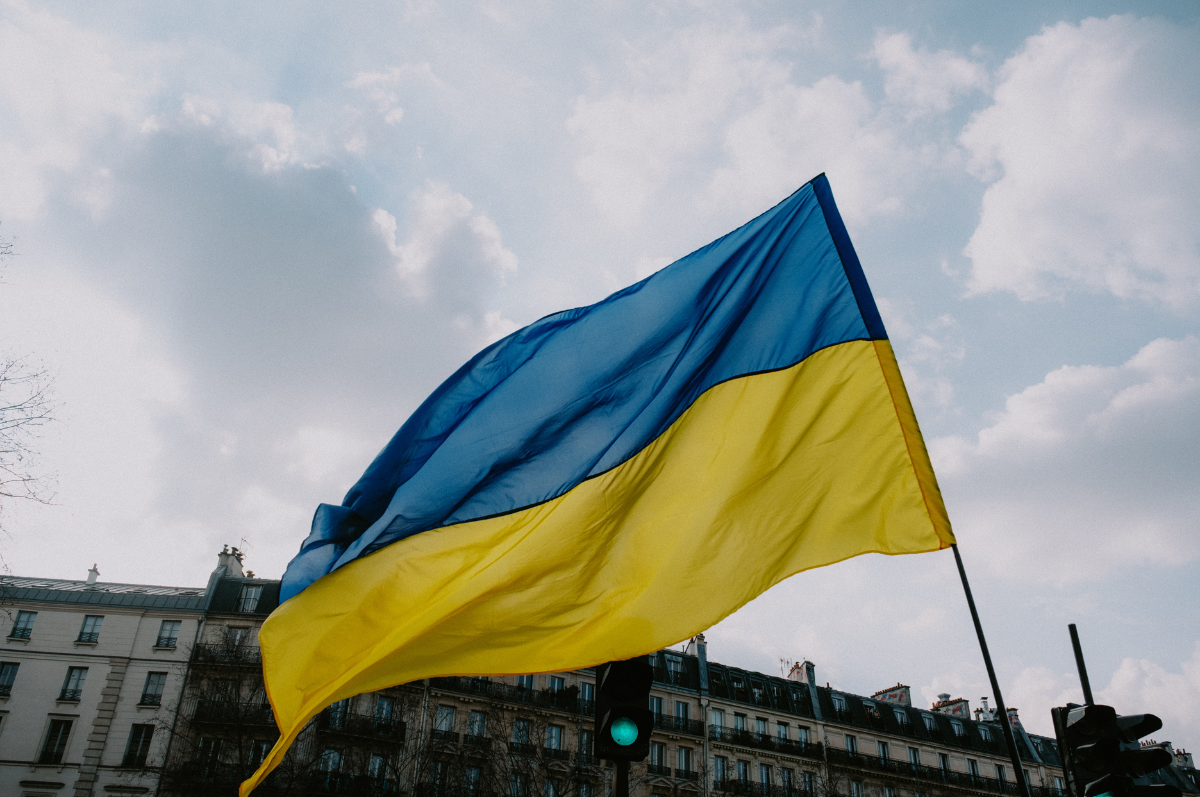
616,478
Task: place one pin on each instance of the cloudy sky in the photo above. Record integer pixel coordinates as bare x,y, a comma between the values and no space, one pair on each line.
250,239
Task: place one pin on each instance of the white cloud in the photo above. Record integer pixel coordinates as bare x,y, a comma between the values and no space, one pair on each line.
1090,470
925,82
926,350
452,250
1092,137
61,88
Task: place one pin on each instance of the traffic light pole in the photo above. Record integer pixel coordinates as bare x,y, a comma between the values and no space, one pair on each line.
621,781
1005,725
1083,679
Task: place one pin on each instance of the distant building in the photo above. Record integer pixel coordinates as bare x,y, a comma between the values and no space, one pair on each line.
720,731
90,678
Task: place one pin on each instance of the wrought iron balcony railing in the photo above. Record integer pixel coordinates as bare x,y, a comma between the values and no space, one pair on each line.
227,653
679,725
352,723
150,699
71,695
88,637
165,642
658,770
561,699
744,788
233,712
763,741
20,633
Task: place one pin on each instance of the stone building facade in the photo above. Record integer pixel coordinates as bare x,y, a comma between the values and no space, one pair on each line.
720,731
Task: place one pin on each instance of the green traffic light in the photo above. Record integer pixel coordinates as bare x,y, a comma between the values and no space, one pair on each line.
624,731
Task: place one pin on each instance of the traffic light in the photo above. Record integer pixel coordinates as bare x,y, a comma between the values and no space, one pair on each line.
1101,756
623,717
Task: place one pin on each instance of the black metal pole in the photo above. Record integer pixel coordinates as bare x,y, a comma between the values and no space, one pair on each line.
1005,725
1083,679
621,782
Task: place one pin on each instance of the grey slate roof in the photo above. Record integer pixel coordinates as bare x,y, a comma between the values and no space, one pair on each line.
134,596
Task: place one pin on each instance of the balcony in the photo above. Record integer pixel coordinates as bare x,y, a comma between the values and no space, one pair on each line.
150,699
444,737
5,690
687,774
555,754
88,637
329,784
165,642
231,712
20,633
922,773
70,695
681,678
450,790
476,742
679,725
658,770
744,788
523,749
561,699
763,741
584,760
366,726
227,654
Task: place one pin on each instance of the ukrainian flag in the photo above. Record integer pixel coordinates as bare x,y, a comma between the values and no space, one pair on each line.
616,478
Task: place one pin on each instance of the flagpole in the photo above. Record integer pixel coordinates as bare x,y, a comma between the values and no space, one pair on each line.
1005,724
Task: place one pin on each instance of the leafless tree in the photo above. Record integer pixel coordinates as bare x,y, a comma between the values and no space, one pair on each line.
26,406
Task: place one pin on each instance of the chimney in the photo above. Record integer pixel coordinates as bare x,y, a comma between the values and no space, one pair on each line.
694,645
899,695
231,560
804,672
1012,718
958,707
93,574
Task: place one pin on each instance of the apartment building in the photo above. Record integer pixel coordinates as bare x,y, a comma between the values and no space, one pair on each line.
720,731
90,676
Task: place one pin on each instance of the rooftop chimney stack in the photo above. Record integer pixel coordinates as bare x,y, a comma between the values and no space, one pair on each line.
984,714
231,560
93,574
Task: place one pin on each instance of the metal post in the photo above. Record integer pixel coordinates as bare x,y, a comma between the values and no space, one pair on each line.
621,781
1083,678
1005,725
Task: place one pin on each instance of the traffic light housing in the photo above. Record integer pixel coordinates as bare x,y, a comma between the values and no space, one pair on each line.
623,717
1101,756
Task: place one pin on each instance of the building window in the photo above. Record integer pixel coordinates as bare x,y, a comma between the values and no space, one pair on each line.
477,724
552,788
337,712
152,692
930,723
764,774
856,788
8,674
781,730
554,737
89,632
377,767
587,692
583,789
658,754
944,762
985,732
1058,784
258,752
138,747
851,744
743,771
889,791
385,711
884,751
23,627
471,776
684,759
760,726
785,779
958,728
656,704
681,710
806,780
331,761
901,717
524,681
739,722
235,636
73,684
248,598
716,717
518,784
444,720
56,742
1028,779
556,683
839,703
586,745
208,751
914,756
1000,775
973,767
521,732
802,734
168,634
719,764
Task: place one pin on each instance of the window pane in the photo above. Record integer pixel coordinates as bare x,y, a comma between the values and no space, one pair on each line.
556,683
23,626
56,742
478,724
168,634
8,674
587,691
681,709
717,717
139,746
73,684
248,599
445,718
